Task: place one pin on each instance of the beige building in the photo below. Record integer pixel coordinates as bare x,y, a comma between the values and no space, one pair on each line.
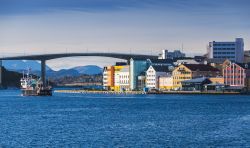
166,83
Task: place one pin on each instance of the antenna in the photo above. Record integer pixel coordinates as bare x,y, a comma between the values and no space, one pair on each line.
182,47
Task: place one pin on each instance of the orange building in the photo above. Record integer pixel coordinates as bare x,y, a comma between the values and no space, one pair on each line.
217,80
108,77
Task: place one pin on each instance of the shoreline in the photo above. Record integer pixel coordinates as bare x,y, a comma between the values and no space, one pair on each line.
148,93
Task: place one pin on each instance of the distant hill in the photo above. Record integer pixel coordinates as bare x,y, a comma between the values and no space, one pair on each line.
89,69
35,66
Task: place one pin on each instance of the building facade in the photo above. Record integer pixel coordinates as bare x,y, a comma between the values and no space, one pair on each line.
191,71
108,77
124,78
152,75
117,70
234,51
137,66
236,74
166,82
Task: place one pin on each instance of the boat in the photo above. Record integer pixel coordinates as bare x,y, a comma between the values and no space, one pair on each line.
34,87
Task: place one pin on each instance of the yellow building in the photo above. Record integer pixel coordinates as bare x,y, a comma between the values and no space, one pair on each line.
117,70
191,71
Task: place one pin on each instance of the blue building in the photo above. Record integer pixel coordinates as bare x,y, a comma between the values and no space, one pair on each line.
137,67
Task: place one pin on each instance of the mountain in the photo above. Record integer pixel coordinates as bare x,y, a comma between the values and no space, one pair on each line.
20,65
35,66
89,69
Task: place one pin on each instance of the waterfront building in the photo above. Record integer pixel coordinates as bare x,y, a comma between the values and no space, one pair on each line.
196,84
108,77
234,51
141,82
171,55
166,82
117,69
124,78
152,75
137,66
217,80
236,74
191,71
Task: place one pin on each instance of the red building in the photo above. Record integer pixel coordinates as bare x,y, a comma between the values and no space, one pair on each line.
236,74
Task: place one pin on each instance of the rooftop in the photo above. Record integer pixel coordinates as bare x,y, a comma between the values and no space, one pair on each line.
200,67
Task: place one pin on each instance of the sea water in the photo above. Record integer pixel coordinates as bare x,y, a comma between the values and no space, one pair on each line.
80,120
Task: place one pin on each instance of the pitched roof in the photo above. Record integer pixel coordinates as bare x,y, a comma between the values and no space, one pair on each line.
161,61
244,65
200,67
219,61
161,68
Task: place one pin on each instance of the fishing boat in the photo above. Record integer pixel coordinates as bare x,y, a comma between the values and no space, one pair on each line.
31,86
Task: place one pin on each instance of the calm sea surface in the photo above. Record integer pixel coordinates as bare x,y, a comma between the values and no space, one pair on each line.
77,120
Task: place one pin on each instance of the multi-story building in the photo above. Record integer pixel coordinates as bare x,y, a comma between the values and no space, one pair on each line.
108,78
117,70
152,75
191,71
236,74
124,78
233,51
137,66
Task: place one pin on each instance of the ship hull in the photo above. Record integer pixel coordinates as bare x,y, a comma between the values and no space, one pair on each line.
43,92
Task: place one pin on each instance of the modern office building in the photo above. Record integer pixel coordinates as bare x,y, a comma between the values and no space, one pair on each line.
137,66
234,51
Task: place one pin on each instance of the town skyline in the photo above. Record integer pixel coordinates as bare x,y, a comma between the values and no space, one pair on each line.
131,26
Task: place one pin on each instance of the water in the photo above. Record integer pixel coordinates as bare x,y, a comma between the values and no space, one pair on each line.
76,120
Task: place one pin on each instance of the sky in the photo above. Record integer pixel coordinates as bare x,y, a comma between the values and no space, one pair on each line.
124,26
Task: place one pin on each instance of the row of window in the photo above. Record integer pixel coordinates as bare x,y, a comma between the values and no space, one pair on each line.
224,57
223,52
224,48
225,44
150,83
182,72
182,77
124,76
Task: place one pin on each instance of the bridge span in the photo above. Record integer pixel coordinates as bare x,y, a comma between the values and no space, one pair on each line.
44,57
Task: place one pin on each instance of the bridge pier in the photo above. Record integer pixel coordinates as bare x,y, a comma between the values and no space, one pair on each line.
43,72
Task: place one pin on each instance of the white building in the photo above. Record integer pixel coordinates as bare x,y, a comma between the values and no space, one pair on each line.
171,55
124,79
234,51
105,78
152,75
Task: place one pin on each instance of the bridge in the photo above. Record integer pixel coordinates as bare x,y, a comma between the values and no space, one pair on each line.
44,57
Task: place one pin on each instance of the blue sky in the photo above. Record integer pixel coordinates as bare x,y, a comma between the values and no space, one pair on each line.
146,26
